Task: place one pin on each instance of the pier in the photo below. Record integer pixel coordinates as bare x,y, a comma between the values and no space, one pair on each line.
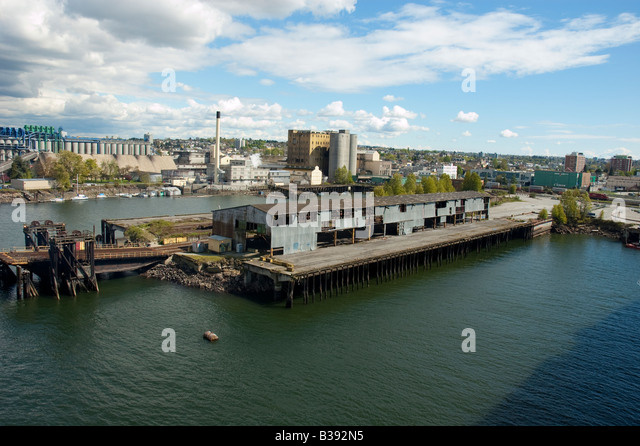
70,261
331,271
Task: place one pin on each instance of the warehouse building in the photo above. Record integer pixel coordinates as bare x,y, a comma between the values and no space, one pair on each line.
288,226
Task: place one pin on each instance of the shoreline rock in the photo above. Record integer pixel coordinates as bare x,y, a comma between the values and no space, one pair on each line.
224,277
611,231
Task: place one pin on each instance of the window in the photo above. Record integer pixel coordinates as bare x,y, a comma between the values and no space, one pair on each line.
403,207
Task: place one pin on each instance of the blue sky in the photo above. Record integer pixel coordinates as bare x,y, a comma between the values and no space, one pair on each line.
551,77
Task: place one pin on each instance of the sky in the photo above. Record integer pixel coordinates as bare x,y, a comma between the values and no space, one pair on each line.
507,77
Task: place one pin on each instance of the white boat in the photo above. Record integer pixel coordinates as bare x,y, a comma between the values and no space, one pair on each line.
79,196
124,195
58,200
101,195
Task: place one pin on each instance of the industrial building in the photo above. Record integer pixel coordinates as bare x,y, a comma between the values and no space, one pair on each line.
287,227
329,150
16,141
369,163
567,180
623,183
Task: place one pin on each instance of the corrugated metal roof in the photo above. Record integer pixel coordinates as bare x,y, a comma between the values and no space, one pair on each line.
392,200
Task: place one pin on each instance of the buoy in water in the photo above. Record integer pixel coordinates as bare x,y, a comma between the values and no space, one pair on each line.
210,336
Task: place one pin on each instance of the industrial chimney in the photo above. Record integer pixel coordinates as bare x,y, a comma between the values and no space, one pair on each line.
217,150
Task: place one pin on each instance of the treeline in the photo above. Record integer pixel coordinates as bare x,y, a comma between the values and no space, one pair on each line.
66,166
426,185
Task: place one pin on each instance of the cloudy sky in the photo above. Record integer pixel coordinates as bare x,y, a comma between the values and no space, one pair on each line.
543,77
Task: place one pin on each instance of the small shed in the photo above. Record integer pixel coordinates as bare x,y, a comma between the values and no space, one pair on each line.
219,243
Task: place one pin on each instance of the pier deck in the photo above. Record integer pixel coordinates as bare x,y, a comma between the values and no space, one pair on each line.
305,263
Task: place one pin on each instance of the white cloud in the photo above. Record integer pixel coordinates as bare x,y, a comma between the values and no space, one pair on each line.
392,98
491,141
466,133
398,112
333,109
508,134
528,150
418,44
466,117
267,82
340,124
619,151
271,9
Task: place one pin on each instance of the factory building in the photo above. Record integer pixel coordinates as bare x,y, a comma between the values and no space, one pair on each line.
329,150
285,227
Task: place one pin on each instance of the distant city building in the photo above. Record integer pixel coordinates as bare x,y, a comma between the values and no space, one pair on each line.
574,162
329,150
240,143
623,183
244,170
621,163
369,163
449,169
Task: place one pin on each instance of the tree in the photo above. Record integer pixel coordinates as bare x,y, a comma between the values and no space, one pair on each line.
410,184
445,184
558,215
61,175
44,168
396,186
512,189
429,185
419,189
378,191
20,168
576,205
472,181
342,176
91,169
543,214
109,170
72,163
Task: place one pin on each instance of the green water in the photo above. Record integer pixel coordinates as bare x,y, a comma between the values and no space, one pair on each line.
385,355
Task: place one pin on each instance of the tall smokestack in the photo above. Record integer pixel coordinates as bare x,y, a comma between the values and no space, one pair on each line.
217,150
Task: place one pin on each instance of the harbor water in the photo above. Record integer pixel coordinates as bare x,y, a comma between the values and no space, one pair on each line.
556,322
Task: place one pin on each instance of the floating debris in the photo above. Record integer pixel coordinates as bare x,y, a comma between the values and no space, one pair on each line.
210,336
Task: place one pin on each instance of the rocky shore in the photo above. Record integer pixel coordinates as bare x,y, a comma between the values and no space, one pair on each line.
224,275
603,229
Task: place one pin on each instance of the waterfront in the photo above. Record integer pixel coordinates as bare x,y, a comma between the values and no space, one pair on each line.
556,322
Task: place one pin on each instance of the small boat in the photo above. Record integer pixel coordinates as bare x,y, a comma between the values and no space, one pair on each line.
633,245
79,196
125,195
101,195
57,200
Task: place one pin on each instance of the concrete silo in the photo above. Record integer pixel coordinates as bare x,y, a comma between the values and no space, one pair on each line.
339,150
